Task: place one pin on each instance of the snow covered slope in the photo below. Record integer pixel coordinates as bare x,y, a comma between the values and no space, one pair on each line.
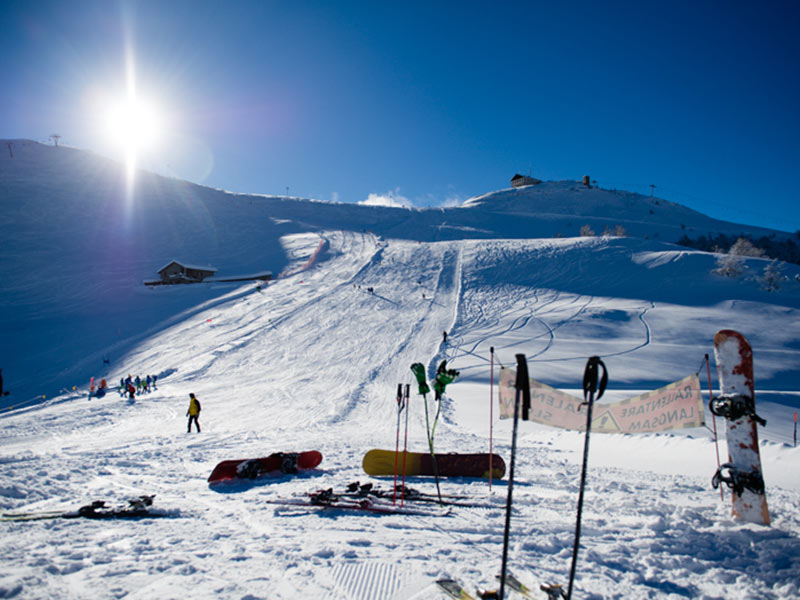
77,247
565,206
312,360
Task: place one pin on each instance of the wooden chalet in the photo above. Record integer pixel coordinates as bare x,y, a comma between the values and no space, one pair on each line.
177,272
523,180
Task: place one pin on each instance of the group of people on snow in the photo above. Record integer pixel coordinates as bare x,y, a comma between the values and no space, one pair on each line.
133,385
98,390
138,385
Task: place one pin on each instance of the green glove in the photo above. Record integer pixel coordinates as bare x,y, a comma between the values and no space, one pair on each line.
444,377
419,372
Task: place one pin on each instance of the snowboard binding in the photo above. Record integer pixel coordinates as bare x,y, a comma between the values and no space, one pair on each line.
738,480
289,463
735,406
250,469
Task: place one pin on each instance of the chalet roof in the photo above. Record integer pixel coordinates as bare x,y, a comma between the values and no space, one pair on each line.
525,178
207,269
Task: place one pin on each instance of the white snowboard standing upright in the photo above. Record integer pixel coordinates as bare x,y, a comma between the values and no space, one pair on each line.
734,359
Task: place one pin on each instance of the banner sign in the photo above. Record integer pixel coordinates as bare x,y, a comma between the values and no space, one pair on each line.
676,406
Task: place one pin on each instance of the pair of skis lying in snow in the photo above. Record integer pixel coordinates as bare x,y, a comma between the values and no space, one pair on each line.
328,499
365,497
136,508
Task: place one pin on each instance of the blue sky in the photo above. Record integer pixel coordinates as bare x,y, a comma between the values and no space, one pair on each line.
428,102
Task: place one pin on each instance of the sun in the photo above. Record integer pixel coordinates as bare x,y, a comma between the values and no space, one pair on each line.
133,125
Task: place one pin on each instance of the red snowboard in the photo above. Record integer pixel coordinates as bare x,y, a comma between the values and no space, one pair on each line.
277,464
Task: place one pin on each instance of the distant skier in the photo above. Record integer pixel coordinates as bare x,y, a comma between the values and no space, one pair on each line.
155,378
131,390
444,337
193,413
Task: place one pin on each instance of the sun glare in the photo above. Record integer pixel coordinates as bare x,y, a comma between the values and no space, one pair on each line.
133,125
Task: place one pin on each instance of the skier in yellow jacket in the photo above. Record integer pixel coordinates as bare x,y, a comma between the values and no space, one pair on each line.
193,413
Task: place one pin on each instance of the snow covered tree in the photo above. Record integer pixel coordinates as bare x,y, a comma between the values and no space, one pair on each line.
744,247
587,231
729,265
771,277
616,231
732,263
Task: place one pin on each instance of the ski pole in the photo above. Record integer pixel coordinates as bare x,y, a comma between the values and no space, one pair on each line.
522,386
491,414
397,438
430,445
419,372
714,421
795,429
590,386
405,444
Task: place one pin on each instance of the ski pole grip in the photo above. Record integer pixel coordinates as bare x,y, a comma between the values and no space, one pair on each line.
590,379
522,385
522,372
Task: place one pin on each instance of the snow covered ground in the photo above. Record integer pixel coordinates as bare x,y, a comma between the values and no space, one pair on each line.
312,361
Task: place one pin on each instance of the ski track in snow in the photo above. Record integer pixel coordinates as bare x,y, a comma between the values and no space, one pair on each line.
312,361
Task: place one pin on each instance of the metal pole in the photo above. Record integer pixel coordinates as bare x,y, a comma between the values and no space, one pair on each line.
491,415
590,385
397,438
405,444
714,421
523,389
